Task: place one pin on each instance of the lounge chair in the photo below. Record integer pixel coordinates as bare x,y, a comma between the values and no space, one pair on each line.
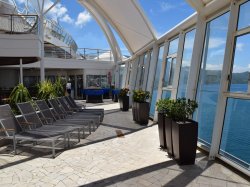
47,114
70,115
72,104
30,116
12,130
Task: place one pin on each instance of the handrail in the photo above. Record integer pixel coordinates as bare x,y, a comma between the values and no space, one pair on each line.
18,24
66,52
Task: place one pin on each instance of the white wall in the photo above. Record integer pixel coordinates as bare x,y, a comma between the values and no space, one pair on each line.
19,45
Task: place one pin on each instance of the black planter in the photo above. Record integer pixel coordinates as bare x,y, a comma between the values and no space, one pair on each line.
142,110
184,141
168,134
161,129
124,103
115,97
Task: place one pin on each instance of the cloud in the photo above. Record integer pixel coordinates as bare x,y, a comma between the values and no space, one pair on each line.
213,66
166,6
67,19
239,46
83,18
216,42
241,69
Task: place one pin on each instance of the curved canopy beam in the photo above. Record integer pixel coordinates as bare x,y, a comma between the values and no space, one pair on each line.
106,28
129,21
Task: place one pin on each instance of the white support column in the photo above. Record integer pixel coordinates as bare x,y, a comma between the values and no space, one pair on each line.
159,93
196,57
153,66
221,106
133,78
41,33
125,75
117,76
178,65
146,70
21,71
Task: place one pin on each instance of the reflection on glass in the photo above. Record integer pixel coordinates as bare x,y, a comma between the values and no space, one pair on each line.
235,142
173,46
210,75
96,81
156,81
240,73
244,16
121,75
169,72
166,94
147,70
186,63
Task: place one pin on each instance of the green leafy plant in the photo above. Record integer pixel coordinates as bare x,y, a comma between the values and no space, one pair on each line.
140,96
123,92
163,105
46,90
59,86
19,94
182,109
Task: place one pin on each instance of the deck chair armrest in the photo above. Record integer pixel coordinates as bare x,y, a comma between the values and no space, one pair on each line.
6,130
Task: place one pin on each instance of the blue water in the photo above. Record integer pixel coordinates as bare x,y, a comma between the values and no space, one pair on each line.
235,140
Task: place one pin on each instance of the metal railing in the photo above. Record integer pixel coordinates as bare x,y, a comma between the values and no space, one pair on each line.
18,24
81,54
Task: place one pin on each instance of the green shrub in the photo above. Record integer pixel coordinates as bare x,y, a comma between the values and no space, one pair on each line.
19,94
46,90
59,86
140,96
163,105
123,92
182,109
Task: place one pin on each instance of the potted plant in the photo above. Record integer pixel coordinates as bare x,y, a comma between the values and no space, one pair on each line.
184,131
124,99
162,108
46,90
141,106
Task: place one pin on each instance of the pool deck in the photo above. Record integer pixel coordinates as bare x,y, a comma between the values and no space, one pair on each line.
118,153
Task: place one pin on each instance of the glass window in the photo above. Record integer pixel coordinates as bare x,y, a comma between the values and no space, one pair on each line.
173,46
169,72
156,81
210,76
235,142
166,94
244,16
142,69
97,81
186,63
147,70
121,75
240,78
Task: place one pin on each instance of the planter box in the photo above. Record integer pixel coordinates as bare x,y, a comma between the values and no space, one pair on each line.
124,103
161,129
184,141
168,134
141,112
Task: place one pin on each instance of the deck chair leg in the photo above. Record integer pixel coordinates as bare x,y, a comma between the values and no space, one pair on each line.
68,139
79,135
53,149
14,145
89,128
64,140
83,133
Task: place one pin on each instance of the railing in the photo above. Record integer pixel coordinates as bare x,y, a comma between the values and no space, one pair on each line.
18,24
52,28
81,54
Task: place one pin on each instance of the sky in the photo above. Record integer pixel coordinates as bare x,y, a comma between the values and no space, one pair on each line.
77,21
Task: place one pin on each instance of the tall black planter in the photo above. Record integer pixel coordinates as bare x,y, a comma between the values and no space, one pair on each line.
161,129
124,103
168,134
184,141
141,112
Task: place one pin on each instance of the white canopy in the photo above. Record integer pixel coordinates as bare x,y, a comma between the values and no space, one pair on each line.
128,19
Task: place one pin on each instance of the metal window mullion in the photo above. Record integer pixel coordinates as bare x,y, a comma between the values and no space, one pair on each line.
138,73
160,84
226,70
133,74
178,65
146,70
196,57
